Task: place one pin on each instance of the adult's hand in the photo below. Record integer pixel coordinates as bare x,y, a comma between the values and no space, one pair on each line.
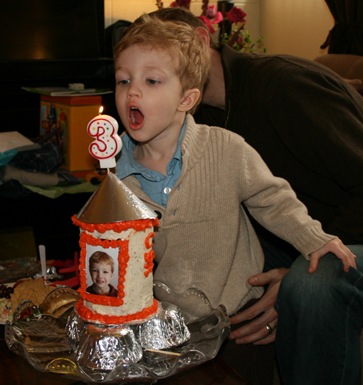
337,247
261,317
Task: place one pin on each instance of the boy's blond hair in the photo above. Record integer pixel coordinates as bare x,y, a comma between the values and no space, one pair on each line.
101,257
189,49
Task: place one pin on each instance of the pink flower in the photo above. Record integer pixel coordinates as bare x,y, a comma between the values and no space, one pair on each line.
236,15
208,23
218,18
211,11
234,35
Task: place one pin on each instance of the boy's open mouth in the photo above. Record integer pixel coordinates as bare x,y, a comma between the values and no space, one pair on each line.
135,116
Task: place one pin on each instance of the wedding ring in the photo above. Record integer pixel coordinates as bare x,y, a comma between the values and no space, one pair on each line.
269,328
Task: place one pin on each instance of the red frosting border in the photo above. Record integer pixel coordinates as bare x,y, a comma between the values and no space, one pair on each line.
139,224
88,315
123,258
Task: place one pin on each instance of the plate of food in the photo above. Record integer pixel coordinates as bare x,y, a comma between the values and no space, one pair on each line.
6,313
12,294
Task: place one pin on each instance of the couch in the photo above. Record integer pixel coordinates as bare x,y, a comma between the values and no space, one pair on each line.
349,67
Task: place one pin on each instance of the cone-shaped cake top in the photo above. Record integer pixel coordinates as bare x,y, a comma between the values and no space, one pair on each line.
113,201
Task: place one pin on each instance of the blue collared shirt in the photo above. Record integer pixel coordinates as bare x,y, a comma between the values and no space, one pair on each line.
156,185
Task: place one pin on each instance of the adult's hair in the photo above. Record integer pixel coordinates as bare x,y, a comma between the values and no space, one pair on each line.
188,49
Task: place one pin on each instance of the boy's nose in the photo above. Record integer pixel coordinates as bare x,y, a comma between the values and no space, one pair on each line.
134,90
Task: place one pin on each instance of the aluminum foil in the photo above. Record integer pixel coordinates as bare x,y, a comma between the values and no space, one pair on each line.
164,331
65,344
113,201
102,349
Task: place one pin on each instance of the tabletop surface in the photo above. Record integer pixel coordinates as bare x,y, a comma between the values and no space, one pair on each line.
16,370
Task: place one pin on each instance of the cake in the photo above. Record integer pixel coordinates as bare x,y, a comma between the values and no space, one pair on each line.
117,317
116,224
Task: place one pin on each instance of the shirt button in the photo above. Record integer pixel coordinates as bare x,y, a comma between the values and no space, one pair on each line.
167,190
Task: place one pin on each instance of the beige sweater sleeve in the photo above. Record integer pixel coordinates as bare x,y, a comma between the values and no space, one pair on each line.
273,203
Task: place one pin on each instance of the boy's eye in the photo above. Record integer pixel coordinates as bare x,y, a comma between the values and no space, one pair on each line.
123,82
152,82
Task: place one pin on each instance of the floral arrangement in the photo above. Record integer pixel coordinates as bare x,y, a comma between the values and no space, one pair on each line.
226,26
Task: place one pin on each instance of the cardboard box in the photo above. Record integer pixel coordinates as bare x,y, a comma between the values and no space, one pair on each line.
67,118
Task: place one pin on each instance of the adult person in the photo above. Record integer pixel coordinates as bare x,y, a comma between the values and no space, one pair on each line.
206,242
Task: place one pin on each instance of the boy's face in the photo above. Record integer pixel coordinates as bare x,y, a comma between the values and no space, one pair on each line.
148,93
101,274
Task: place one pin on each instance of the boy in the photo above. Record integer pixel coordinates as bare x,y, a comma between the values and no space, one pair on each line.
101,268
197,176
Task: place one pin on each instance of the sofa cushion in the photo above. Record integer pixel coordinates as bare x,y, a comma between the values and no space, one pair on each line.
349,67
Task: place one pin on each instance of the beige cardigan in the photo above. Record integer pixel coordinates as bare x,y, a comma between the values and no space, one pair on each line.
205,241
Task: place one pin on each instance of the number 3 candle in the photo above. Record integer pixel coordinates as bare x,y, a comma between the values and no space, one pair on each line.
107,143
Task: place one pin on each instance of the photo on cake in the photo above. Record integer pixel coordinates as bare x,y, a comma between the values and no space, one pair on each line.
101,269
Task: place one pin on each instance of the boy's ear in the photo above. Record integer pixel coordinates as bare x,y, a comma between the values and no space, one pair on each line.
203,33
189,99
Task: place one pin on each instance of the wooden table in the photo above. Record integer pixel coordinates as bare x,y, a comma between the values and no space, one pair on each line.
15,370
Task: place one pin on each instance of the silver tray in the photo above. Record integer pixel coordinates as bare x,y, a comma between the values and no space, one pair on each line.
43,341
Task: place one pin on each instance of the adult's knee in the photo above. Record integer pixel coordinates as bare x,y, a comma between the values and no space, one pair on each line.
299,285
320,289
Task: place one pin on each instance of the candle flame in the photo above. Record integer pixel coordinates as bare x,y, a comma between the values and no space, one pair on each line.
100,110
